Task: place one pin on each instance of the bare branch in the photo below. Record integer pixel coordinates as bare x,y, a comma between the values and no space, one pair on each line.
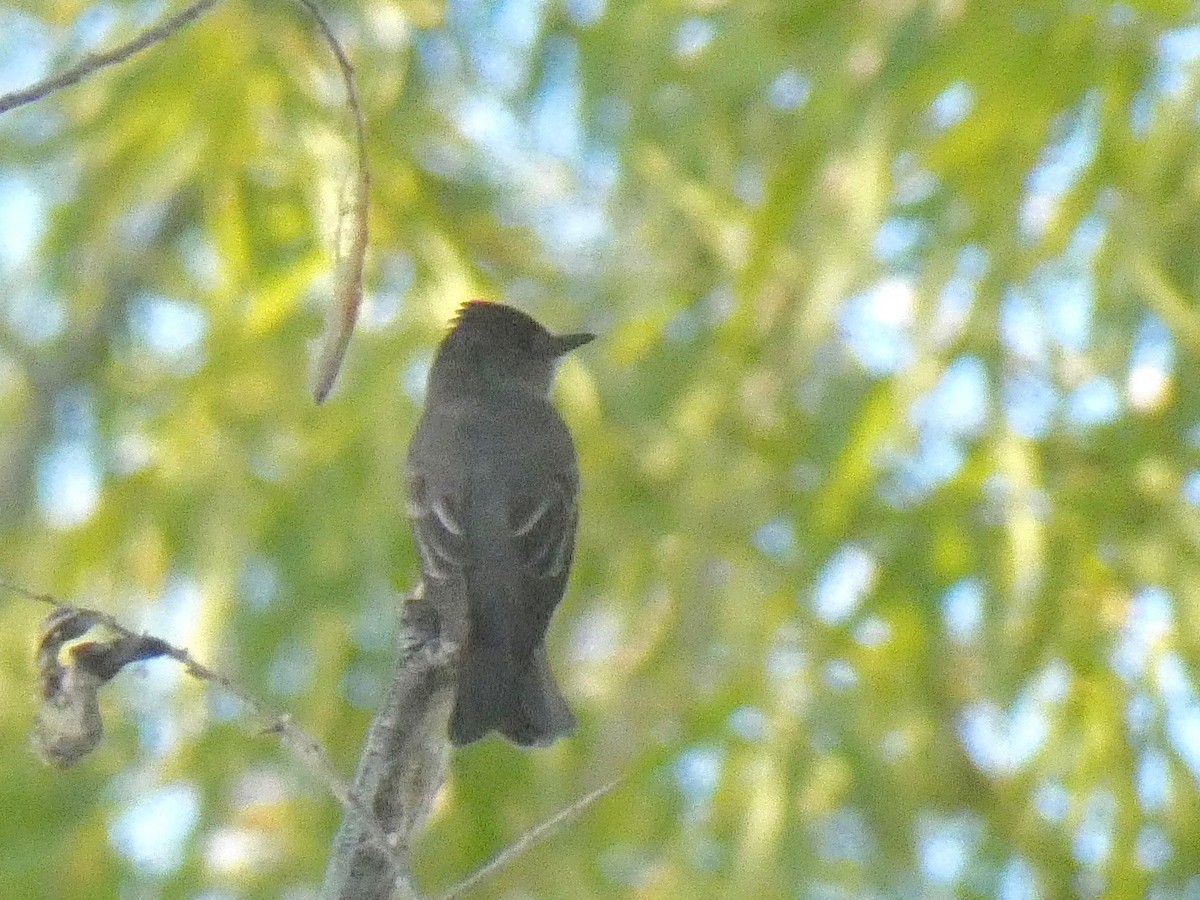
307,750
528,839
402,764
96,61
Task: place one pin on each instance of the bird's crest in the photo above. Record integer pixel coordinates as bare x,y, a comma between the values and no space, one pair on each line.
487,311
502,324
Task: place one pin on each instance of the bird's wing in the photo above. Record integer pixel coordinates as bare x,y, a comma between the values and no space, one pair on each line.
437,527
543,532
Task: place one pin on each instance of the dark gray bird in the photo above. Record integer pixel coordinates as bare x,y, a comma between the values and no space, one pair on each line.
493,489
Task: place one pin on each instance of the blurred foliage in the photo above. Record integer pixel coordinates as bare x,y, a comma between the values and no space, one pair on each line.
887,575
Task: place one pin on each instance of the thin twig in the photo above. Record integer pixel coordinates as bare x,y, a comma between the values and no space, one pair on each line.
95,61
307,750
347,71
347,300
528,839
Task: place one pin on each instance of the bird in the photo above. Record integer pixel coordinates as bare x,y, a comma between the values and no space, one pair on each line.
492,485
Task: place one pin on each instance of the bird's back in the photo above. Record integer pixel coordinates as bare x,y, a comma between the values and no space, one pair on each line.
494,479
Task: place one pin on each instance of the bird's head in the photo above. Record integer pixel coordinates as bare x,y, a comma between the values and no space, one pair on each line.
500,344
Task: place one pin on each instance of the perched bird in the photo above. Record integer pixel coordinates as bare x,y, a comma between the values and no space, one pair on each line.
493,489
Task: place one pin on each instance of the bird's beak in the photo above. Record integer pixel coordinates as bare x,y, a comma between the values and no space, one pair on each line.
565,343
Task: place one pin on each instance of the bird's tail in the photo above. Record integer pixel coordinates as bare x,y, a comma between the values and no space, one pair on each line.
540,714
485,692
522,702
